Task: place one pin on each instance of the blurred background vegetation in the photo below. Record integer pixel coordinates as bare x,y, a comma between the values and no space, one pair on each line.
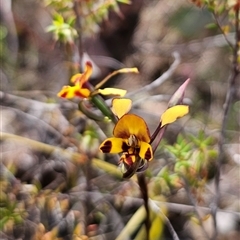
54,182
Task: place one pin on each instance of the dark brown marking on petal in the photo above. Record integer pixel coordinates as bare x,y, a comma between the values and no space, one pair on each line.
123,135
64,95
148,154
106,148
125,147
77,93
142,136
89,64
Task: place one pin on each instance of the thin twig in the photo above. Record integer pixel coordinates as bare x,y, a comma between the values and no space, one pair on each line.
41,125
222,31
186,49
43,147
159,98
185,209
173,207
228,101
160,80
124,70
64,153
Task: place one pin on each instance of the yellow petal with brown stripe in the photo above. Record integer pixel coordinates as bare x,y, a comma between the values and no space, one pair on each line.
146,151
113,145
173,113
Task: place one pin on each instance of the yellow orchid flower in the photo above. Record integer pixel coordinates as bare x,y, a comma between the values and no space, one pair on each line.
131,134
78,80
131,137
81,90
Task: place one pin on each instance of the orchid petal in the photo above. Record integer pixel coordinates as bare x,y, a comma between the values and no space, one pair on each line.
173,113
114,145
81,78
75,91
129,159
112,91
131,124
76,78
131,164
146,151
121,106
128,70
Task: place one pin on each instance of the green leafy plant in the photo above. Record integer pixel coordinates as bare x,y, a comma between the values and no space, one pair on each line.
72,18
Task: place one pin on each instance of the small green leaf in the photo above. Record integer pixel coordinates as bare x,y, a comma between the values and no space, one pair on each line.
71,21
58,18
211,26
182,167
212,154
221,9
3,221
51,28
125,1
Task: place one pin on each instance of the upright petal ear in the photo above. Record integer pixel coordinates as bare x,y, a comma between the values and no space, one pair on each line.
121,106
114,145
76,79
81,78
173,113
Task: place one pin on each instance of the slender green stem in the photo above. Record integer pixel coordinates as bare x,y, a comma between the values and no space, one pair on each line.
99,102
90,114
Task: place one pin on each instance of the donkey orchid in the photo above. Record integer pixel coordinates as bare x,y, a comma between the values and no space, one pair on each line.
132,137
131,134
80,88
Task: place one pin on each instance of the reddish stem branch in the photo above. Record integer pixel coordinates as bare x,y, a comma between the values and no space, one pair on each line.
143,187
229,98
